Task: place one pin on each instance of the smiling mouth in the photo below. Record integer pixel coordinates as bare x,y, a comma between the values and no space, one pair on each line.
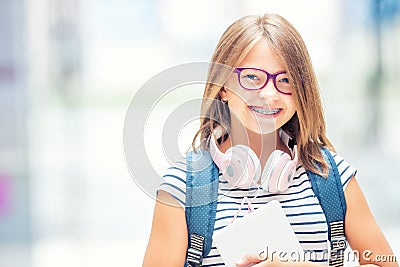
265,111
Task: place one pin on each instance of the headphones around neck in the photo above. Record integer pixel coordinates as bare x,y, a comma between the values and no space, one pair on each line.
241,167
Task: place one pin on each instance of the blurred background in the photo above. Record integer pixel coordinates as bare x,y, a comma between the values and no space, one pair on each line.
69,69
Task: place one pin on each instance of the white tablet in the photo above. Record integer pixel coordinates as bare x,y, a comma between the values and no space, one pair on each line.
265,229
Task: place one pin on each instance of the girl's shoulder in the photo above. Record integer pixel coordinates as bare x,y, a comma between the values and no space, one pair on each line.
173,181
345,169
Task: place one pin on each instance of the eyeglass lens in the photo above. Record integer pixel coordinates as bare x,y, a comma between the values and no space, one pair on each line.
253,79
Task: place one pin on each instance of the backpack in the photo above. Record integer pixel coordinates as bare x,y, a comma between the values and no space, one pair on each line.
201,204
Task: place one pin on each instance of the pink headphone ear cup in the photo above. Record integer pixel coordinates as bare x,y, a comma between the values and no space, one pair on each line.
286,176
236,167
279,171
239,165
288,171
269,175
233,166
251,168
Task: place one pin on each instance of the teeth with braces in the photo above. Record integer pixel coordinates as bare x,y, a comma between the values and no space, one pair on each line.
266,112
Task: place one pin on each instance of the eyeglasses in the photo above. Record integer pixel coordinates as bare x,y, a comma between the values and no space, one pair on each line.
256,79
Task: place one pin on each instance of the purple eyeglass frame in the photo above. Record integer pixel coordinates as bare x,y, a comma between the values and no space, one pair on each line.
269,76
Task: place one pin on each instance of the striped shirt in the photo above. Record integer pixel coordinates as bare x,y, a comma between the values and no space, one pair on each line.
298,202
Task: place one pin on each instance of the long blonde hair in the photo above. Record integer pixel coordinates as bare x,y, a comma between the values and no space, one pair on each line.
307,125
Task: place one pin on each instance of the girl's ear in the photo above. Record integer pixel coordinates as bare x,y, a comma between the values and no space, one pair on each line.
223,95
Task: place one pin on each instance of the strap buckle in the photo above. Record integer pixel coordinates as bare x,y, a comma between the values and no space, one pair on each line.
194,257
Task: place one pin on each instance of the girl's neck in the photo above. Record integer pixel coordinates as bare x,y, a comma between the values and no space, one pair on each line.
262,144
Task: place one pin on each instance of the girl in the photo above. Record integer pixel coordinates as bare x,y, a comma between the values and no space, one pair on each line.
270,92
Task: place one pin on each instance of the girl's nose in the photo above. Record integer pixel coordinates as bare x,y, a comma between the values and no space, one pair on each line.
269,91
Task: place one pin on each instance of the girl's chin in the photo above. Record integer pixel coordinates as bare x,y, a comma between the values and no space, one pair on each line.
263,128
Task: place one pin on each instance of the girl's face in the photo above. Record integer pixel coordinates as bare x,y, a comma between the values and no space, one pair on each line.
263,110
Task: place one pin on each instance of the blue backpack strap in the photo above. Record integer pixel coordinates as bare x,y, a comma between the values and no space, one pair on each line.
329,192
201,204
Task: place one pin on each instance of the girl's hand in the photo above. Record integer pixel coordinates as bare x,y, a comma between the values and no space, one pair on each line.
259,260
249,259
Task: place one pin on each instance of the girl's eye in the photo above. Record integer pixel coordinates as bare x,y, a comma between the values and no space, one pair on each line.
284,80
251,77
